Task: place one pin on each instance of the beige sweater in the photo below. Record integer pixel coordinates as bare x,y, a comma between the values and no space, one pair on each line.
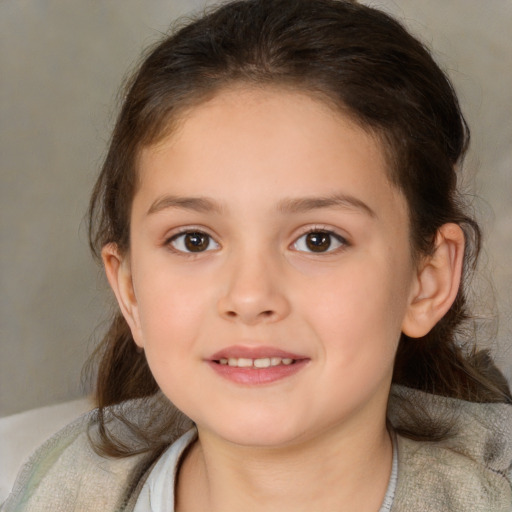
468,472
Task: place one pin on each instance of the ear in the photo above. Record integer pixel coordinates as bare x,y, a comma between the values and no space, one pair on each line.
437,282
118,271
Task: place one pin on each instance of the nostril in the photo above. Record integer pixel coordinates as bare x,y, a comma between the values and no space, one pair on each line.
263,314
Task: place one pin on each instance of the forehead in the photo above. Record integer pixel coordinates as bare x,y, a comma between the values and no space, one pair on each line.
284,142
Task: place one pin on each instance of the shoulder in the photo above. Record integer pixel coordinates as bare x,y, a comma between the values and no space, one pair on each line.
467,471
434,478
65,473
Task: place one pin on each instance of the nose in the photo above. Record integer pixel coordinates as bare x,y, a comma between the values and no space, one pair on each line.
253,292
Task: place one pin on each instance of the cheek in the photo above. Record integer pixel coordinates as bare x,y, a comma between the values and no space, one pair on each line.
171,309
172,321
359,311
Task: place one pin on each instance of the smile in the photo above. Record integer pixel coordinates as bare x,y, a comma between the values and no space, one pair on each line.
256,365
264,362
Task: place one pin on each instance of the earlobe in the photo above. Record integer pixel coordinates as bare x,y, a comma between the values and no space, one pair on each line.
437,282
118,272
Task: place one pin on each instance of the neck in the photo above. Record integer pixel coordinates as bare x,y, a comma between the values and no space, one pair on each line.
341,471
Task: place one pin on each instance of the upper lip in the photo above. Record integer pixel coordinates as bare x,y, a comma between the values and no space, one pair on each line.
260,352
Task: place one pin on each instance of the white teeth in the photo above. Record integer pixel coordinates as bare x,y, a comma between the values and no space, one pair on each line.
264,362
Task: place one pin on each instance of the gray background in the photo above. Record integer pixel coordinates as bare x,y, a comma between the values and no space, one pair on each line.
61,64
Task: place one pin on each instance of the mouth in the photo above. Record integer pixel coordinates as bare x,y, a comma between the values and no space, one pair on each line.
262,362
256,365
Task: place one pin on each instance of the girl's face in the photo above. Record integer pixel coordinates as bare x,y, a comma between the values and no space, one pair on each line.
270,270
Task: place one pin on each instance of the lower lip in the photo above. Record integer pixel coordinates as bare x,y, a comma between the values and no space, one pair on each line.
257,376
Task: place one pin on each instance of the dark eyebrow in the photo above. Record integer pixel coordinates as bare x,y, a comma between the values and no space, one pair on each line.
292,205
305,204
198,204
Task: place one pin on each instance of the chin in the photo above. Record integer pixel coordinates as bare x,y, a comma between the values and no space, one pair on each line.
257,432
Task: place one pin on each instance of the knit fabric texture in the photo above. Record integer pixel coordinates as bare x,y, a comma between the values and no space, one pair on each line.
469,471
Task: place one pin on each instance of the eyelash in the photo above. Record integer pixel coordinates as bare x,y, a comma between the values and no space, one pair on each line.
171,241
341,242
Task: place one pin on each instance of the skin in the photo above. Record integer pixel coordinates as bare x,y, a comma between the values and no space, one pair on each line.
260,161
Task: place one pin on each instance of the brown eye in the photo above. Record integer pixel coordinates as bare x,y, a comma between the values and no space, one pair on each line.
319,241
196,242
193,241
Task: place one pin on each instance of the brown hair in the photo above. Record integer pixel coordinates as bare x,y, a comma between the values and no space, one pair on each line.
357,59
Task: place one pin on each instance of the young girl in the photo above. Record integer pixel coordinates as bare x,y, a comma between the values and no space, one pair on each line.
279,220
